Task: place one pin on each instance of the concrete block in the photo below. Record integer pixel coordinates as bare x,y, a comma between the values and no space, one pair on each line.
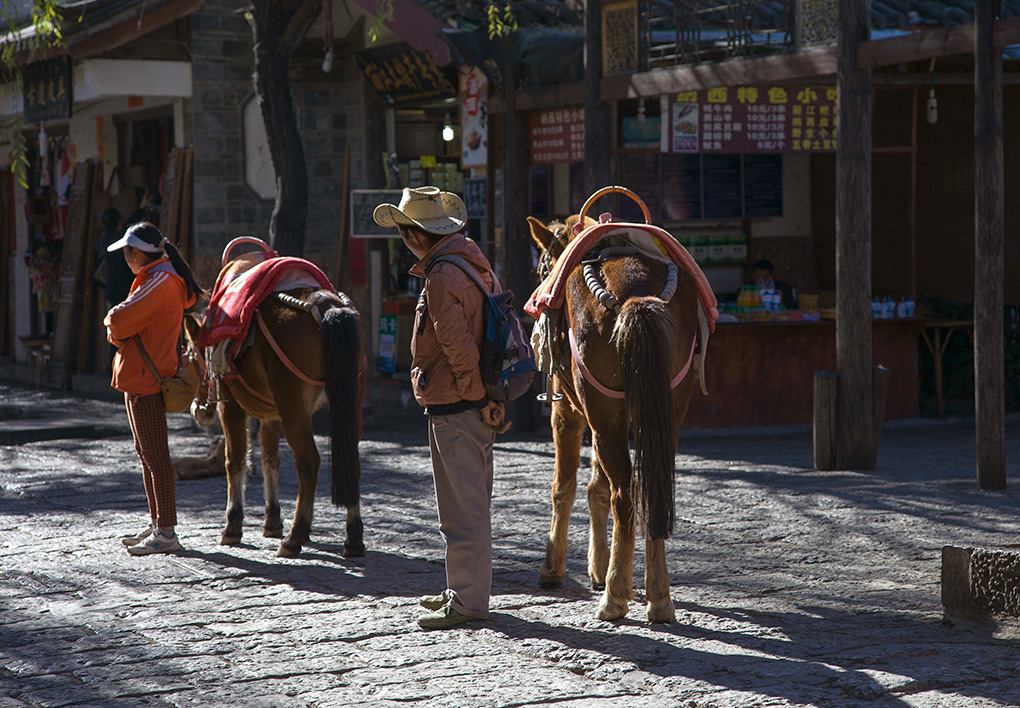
981,581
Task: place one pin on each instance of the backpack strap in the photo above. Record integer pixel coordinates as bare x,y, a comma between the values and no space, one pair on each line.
461,263
469,271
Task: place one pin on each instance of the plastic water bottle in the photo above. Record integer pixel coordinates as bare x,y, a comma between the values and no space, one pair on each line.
888,308
901,308
876,308
909,307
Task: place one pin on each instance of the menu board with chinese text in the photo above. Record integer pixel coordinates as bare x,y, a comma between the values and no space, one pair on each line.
754,119
556,136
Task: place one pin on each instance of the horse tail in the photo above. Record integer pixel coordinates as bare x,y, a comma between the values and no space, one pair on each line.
644,346
342,353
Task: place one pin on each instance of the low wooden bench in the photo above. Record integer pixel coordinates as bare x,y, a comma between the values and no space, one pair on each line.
40,350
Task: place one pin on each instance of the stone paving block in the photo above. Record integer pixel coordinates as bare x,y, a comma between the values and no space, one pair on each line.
981,581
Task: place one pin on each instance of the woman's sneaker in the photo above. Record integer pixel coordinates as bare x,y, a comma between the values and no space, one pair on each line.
138,537
159,542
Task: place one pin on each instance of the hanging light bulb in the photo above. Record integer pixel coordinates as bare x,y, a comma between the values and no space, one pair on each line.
447,129
933,107
641,111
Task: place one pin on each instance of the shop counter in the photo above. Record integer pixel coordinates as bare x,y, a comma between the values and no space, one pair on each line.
762,373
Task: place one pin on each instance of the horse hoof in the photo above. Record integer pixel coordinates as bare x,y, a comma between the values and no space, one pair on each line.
286,551
354,550
610,610
546,580
230,539
663,612
272,532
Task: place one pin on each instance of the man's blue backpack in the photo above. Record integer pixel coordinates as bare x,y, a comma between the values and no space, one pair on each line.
506,359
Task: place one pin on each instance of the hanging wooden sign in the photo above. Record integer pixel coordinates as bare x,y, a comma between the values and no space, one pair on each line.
46,89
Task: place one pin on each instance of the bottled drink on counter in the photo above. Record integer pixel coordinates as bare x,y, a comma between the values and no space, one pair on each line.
901,308
876,308
888,308
909,309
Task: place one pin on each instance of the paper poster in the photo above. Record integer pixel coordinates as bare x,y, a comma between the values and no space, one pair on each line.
474,90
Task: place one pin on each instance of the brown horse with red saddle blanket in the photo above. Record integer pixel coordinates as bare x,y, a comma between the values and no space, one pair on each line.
618,329
277,344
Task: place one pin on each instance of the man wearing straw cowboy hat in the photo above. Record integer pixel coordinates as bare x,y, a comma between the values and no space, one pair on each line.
445,376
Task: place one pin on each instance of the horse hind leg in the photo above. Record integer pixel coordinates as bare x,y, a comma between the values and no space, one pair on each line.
660,604
269,441
234,420
354,546
306,462
598,510
614,455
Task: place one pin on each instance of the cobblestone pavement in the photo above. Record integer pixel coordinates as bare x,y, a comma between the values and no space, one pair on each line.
793,587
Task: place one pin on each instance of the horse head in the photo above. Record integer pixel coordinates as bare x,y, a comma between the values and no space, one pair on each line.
553,238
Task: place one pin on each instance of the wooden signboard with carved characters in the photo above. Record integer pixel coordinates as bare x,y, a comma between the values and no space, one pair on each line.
66,318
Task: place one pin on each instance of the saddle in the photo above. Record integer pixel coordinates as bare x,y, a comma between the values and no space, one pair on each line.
236,295
545,302
649,239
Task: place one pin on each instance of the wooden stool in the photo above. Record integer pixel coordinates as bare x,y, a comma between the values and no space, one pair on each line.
39,351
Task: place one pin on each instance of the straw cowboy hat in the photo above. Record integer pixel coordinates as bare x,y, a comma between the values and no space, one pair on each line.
429,209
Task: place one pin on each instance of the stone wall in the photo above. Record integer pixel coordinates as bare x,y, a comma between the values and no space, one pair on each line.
335,110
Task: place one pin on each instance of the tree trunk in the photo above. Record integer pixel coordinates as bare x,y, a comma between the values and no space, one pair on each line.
274,42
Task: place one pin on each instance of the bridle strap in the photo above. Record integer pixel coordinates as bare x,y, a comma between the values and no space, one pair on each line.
587,375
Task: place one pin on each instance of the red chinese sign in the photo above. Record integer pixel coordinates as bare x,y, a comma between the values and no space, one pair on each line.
556,136
753,119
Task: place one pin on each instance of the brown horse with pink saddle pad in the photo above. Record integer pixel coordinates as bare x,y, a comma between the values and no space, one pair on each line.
622,310
278,343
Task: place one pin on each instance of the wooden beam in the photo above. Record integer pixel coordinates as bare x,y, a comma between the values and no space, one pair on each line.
537,99
775,68
854,418
989,268
598,130
932,44
135,27
808,64
517,247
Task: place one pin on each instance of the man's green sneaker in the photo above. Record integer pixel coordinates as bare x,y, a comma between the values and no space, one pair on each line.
434,602
444,618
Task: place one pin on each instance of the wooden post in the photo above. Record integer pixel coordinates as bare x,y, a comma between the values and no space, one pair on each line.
826,385
343,266
598,135
879,397
516,239
853,242
989,268
68,316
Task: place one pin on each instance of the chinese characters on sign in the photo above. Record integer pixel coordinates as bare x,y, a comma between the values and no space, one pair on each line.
755,119
556,136
46,89
474,92
401,73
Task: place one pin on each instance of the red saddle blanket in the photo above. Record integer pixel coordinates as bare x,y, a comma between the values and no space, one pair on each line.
551,291
234,299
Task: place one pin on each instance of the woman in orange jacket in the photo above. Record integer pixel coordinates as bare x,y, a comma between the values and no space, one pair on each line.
164,287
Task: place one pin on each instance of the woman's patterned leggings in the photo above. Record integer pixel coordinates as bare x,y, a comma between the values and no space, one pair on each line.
147,417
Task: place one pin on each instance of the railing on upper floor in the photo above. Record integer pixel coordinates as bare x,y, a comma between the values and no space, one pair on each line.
664,33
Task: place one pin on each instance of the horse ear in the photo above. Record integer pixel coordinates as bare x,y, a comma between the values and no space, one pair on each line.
541,234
